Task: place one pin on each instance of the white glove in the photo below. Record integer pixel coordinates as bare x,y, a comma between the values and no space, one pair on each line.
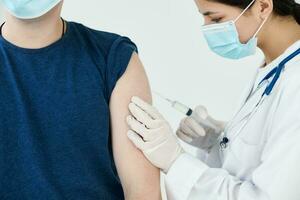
199,129
152,134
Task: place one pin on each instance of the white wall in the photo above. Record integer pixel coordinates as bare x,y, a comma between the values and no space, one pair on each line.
1,14
171,46
173,50
175,55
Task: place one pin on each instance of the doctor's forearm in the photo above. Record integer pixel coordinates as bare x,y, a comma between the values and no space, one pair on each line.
206,183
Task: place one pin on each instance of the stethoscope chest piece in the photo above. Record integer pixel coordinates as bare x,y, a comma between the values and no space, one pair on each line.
224,142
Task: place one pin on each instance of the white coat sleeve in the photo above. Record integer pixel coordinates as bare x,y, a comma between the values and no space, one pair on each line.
211,156
276,178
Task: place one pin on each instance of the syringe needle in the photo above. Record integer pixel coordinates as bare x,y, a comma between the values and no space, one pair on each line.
176,105
161,96
203,119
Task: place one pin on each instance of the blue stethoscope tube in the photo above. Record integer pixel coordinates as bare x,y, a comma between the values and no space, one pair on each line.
276,72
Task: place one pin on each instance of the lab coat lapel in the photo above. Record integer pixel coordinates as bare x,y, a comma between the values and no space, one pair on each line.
251,102
246,93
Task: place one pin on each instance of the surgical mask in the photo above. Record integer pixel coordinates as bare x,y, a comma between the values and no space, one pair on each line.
223,39
29,9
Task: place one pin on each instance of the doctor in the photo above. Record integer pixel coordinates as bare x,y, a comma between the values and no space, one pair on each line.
255,156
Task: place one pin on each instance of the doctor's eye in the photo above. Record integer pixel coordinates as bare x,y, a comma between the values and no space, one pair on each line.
217,20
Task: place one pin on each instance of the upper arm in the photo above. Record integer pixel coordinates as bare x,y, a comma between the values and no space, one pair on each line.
138,176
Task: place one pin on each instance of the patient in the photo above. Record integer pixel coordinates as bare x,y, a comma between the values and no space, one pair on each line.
63,103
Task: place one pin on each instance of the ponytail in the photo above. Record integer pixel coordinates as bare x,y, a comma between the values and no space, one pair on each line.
281,7
296,12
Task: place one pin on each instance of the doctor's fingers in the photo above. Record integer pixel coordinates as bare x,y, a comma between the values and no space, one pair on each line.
149,109
181,135
195,126
200,113
143,116
137,140
141,129
186,129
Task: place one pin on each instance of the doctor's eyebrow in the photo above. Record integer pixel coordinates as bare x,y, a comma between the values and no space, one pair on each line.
208,13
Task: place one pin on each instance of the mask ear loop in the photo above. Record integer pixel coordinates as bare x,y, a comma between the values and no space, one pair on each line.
260,27
244,10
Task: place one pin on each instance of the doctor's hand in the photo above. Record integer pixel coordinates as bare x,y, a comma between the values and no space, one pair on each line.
200,130
152,134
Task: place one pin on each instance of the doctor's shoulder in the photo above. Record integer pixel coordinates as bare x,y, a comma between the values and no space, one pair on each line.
283,124
290,84
286,99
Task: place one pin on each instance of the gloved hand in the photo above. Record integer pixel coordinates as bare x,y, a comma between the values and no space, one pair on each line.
152,134
199,129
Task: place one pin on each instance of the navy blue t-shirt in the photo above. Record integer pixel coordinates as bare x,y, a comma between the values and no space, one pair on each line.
55,140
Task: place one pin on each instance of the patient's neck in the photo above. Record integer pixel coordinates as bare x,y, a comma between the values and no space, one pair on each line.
33,33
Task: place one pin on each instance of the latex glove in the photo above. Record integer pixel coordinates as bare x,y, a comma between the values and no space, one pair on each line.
152,134
199,129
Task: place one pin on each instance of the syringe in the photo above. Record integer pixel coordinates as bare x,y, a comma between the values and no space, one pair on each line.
177,105
204,118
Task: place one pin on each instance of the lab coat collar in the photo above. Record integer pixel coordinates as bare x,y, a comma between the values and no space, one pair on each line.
286,53
264,70
246,109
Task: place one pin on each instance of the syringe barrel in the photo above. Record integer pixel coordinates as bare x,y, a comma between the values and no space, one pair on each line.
182,108
203,118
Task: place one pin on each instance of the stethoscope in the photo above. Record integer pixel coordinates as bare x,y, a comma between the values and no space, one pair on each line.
275,73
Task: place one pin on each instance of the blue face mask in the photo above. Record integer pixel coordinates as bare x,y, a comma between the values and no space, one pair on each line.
223,39
29,9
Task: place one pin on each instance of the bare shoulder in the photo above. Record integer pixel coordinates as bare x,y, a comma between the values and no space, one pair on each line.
135,81
138,177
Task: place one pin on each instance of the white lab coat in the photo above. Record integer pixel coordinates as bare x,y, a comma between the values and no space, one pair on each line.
262,162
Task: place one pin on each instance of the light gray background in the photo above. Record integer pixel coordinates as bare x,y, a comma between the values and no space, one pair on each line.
176,57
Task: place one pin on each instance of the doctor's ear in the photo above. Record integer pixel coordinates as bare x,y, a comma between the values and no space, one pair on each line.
263,8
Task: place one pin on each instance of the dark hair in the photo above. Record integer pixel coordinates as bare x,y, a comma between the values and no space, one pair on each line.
281,7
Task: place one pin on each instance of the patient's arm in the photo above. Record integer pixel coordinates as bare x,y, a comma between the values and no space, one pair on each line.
140,180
